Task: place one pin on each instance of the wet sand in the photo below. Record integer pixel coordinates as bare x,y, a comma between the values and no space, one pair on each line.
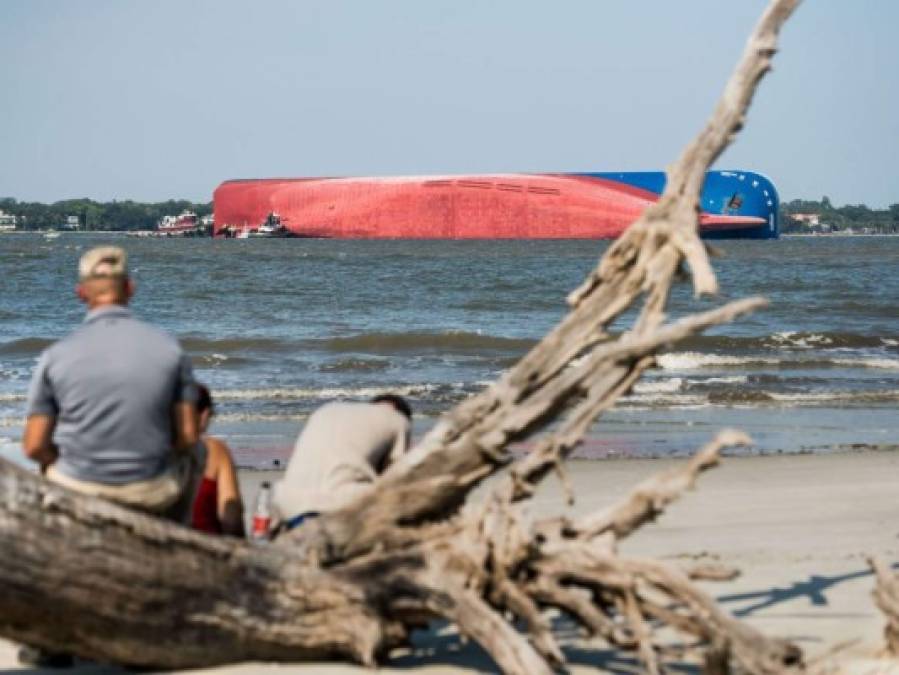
799,527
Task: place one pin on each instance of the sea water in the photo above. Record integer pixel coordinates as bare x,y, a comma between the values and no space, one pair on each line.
278,327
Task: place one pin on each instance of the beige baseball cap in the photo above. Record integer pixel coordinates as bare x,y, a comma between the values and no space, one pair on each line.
103,261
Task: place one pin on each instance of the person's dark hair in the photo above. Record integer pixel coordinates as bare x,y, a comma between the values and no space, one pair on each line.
204,400
400,404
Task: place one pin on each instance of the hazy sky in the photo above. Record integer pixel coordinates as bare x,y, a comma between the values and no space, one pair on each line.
151,100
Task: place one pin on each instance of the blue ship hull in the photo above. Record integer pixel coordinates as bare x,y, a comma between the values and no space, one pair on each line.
734,193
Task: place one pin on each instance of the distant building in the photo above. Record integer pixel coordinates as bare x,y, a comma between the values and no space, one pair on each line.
72,223
812,219
7,221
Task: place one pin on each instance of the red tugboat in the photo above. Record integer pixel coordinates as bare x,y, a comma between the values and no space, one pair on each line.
178,226
498,206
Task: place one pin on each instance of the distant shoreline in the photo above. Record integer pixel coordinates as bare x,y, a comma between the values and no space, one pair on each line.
789,235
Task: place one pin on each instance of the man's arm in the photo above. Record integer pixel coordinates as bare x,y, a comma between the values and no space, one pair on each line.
402,441
37,440
185,420
42,410
185,425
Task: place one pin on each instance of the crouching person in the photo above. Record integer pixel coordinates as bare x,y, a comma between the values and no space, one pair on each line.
111,407
338,456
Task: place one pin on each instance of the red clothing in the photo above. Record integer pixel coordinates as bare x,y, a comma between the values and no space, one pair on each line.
205,516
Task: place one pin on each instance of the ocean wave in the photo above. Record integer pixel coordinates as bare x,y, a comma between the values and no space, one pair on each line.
217,360
11,398
354,365
664,400
679,361
416,341
661,386
837,396
755,397
806,340
302,393
262,417
787,341
227,346
300,415
25,346
506,302
685,361
738,396
724,379
377,342
20,375
881,363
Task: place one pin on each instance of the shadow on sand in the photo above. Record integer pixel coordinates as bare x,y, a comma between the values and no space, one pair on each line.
813,588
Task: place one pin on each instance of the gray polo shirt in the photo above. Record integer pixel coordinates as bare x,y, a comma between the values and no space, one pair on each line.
111,385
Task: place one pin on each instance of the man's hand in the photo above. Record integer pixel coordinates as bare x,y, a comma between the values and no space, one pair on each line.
37,440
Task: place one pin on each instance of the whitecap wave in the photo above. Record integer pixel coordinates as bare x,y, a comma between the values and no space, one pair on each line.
660,386
724,379
665,400
882,363
261,417
697,361
836,396
798,340
686,361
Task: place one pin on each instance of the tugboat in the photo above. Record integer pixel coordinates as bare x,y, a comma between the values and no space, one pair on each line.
271,228
182,225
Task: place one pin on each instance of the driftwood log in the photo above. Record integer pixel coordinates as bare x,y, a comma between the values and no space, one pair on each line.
92,578
886,597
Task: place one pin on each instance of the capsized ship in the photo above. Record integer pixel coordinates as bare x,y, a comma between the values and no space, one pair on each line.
735,204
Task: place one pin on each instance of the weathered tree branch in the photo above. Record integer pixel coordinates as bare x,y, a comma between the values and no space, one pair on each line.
886,597
86,576
468,443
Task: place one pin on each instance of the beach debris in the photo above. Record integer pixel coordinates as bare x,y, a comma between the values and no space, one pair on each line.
106,583
712,571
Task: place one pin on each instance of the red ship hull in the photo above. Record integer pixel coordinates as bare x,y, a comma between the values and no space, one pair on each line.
499,206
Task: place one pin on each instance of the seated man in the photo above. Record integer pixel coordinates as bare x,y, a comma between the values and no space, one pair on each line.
342,449
111,408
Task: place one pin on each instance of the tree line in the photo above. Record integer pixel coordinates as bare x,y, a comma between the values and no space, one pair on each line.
92,215
131,215
855,217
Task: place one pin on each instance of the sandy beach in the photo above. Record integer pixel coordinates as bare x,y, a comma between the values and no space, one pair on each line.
799,527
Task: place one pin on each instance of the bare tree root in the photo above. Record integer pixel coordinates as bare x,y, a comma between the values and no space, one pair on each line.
92,578
175,598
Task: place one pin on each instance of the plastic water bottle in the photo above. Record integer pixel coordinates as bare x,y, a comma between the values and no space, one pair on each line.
262,513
